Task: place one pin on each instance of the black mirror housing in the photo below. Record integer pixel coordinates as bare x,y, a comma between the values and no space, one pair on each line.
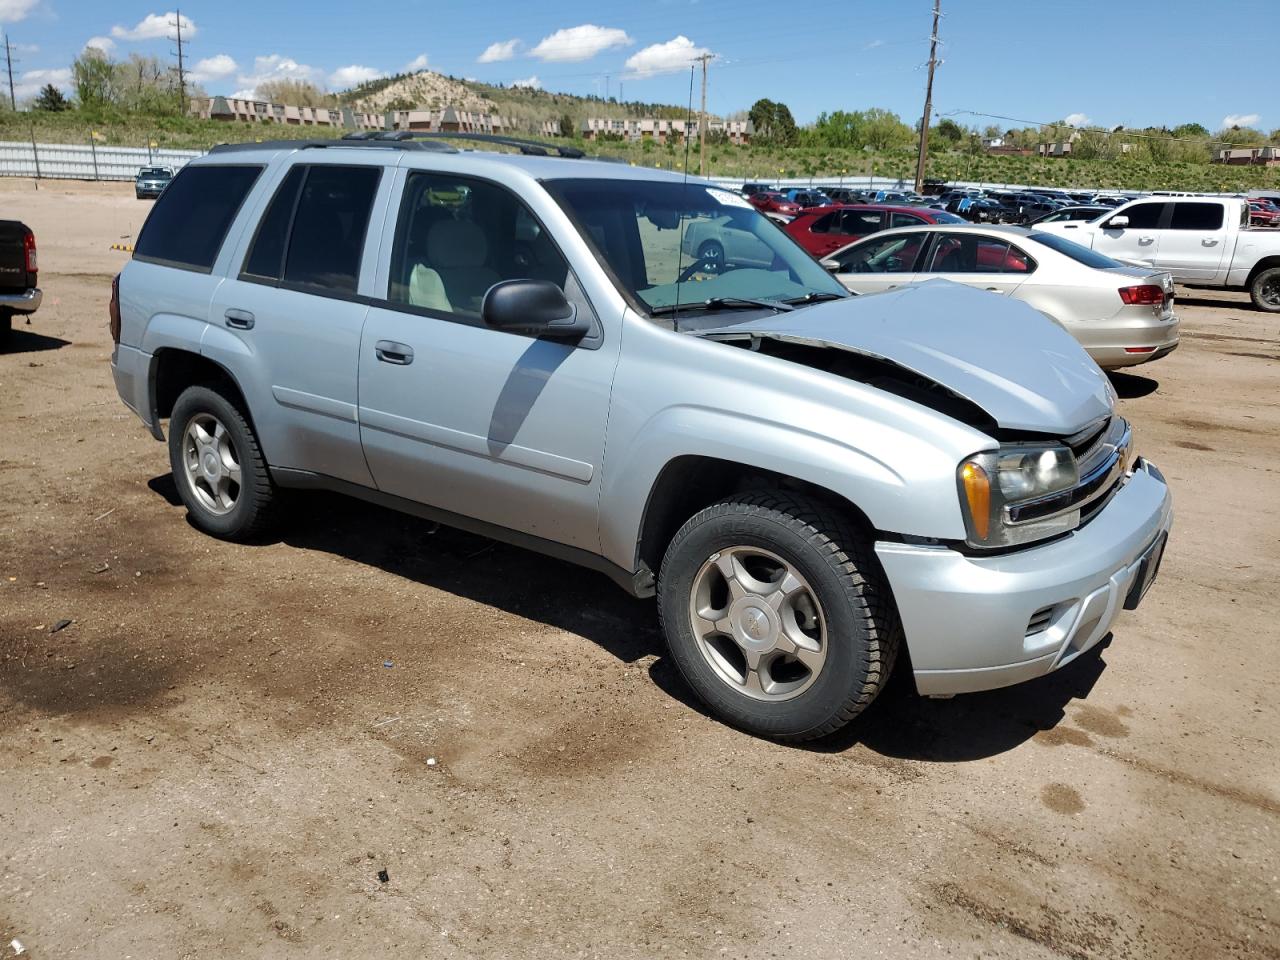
535,307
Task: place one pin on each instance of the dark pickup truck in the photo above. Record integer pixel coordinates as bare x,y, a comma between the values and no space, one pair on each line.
18,273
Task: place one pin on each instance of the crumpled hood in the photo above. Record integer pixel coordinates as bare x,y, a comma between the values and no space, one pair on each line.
1025,371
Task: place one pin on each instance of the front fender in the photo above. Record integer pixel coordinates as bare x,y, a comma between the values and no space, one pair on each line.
924,503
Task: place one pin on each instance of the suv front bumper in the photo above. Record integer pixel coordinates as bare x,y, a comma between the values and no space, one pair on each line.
968,621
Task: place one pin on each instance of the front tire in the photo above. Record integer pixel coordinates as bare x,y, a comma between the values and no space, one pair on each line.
777,615
218,466
1265,290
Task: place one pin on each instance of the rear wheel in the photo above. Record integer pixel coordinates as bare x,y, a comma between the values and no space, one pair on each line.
218,466
1265,290
777,615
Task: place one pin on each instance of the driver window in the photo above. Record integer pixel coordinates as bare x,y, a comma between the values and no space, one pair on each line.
1144,216
890,255
455,238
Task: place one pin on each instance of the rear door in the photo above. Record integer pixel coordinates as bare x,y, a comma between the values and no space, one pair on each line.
1137,240
292,300
1193,246
881,262
977,260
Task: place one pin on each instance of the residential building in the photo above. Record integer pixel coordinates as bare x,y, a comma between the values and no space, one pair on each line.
261,111
1252,156
661,130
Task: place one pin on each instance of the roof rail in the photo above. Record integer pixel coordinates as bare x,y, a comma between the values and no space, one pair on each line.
531,148
359,139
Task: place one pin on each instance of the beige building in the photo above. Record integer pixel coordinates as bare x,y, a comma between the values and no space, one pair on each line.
1251,156
662,131
261,111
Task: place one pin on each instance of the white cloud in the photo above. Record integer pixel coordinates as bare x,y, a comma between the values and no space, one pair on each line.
1076,119
669,57
580,43
530,83
495,52
214,69
105,44
417,64
274,67
11,11
346,77
155,26
873,44
33,81
1240,119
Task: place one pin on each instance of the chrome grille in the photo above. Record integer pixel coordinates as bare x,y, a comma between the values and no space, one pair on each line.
1101,467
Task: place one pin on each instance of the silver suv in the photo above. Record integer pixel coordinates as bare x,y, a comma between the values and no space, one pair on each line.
526,346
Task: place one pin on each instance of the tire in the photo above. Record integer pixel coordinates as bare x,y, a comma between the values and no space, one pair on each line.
238,511
712,254
1265,290
858,623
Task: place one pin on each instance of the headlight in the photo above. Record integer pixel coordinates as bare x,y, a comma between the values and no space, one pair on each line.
1018,494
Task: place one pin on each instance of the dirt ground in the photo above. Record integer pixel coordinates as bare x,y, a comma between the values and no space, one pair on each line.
224,747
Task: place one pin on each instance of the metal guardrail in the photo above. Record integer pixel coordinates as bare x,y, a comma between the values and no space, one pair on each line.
73,161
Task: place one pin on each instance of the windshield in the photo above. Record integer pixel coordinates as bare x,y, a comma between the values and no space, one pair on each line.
673,246
1077,252
153,172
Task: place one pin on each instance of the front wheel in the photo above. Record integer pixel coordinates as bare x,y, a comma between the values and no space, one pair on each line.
777,615
1265,290
218,466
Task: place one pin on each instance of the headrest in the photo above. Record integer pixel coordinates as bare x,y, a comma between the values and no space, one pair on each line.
456,243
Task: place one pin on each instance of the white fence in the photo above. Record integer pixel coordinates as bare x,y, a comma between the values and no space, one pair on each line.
70,161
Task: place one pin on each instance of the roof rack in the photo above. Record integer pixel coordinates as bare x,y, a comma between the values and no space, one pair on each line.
359,139
529,147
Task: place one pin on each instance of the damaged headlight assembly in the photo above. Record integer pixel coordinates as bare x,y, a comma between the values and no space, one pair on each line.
1018,494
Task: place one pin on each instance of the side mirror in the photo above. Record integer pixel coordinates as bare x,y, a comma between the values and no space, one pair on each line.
829,265
535,307
1117,223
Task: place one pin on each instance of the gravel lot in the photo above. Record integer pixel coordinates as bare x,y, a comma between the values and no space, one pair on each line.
228,743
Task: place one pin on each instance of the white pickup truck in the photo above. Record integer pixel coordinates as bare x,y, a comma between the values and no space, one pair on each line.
1202,241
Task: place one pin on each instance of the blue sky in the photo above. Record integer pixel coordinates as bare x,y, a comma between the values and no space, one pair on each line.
1132,62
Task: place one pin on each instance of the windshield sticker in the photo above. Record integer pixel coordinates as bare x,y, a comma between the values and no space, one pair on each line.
727,199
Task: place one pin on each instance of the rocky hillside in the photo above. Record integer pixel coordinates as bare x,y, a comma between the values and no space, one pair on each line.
426,90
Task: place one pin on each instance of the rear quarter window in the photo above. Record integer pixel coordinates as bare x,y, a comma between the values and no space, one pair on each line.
190,220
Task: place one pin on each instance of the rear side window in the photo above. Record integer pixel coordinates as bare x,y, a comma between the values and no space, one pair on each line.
191,219
1197,216
313,232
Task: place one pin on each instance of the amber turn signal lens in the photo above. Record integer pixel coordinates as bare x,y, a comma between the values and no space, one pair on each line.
977,488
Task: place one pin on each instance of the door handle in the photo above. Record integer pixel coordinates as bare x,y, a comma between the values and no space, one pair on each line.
994,289
389,351
1146,240
240,319
1209,241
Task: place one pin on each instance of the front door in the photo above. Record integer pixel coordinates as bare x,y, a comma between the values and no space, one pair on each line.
880,262
1193,246
1138,239
491,425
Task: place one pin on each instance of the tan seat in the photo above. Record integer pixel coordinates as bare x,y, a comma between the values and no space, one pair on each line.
457,270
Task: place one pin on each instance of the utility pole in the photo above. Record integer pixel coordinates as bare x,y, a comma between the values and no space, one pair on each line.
176,23
928,99
8,60
702,117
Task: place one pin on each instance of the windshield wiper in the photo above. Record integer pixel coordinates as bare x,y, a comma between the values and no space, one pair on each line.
723,303
814,297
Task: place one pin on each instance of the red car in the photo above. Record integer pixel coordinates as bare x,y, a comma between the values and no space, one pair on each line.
1264,213
773,202
824,230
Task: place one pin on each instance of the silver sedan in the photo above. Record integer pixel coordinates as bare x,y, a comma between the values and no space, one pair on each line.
1121,314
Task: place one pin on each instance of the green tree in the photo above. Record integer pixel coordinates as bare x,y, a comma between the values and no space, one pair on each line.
566,126
51,99
773,122
884,130
93,75
948,130
296,93
1190,130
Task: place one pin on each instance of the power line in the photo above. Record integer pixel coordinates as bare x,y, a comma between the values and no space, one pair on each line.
928,98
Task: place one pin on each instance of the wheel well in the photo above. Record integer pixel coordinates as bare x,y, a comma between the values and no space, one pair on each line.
1266,263
691,483
178,369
